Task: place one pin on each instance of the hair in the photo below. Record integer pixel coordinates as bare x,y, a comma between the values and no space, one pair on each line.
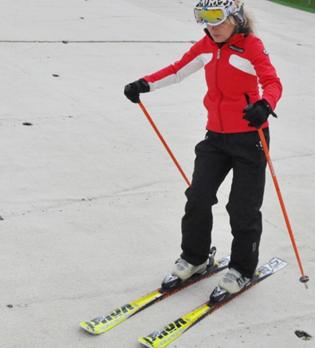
247,27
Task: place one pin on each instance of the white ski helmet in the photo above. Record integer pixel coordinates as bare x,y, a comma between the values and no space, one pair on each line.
215,12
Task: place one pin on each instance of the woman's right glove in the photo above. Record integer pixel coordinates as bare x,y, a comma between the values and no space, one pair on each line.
133,90
257,114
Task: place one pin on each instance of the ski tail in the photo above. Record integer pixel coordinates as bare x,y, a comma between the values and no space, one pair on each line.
162,338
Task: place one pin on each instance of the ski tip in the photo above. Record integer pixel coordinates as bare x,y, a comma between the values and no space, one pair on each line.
144,342
87,327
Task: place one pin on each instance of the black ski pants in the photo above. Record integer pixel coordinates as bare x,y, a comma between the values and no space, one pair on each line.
215,157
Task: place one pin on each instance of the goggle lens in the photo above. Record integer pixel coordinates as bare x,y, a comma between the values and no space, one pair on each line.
210,16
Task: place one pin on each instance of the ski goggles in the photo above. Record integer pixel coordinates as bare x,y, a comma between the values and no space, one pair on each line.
211,15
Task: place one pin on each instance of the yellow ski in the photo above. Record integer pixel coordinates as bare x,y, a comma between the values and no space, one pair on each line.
107,322
162,338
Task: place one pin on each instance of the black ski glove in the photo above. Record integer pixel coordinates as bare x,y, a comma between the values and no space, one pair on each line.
133,90
258,113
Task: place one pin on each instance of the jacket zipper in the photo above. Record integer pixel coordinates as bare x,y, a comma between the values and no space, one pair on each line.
219,103
247,98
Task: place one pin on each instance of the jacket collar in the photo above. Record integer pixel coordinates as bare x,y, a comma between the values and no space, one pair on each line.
236,38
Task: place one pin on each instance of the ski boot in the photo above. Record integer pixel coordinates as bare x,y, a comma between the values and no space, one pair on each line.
183,271
231,283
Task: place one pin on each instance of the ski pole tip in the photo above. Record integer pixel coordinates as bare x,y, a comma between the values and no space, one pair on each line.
304,279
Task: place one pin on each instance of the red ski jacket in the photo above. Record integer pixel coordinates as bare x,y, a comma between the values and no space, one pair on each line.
234,74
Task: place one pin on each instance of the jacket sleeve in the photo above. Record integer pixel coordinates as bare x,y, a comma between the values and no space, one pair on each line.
266,73
192,61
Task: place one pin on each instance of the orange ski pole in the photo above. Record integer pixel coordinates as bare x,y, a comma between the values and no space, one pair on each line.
304,278
149,118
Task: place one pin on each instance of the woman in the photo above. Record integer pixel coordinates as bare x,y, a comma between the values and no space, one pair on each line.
236,65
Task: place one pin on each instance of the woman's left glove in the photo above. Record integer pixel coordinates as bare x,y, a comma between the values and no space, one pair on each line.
258,113
132,90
